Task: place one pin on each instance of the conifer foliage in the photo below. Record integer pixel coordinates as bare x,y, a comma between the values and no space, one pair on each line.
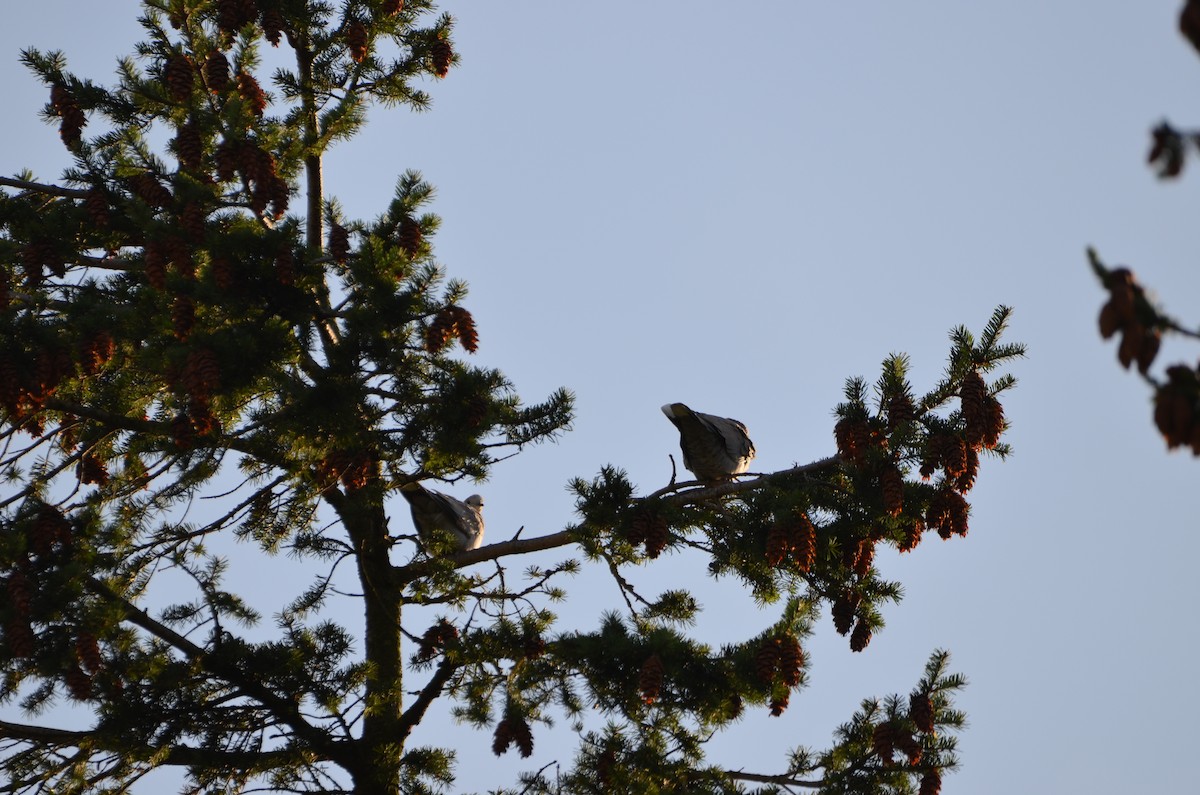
199,352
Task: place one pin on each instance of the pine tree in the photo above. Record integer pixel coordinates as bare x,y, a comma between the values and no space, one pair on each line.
197,347
1134,318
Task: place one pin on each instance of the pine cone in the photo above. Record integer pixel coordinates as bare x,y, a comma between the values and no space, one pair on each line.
464,329
779,703
864,556
438,333
409,236
177,76
202,374
523,737
860,637
339,243
16,587
73,117
183,316
233,15
390,8
192,221
227,157
966,480
252,93
87,651
51,530
843,612
182,432
216,71
533,645
853,437
791,661
920,711
189,148
994,426
804,543
766,661
650,679
892,485
1110,321
883,742
657,537
95,352
438,636
21,640
10,386
931,783
179,254
147,188
92,470
972,394
900,410
222,271
79,684
96,205
908,745
357,40
441,54
273,25
947,512
1131,344
778,544
1151,342
285,267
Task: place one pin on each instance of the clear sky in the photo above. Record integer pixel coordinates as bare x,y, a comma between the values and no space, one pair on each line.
740,205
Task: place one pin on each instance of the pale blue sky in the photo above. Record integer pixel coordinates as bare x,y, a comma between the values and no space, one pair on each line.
740,205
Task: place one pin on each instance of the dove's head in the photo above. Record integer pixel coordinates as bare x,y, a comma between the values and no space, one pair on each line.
475,501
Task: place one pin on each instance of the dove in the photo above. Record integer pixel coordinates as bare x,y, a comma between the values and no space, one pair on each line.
714,448
433,511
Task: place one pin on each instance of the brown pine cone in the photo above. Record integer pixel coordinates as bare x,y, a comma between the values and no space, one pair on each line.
843,612
791,661
192,220
912,534
179,254
202,374
273,25
92,470
972,394
222,271
860,637
891,483
147,188
966,480
1151,342
177,76
864,556
464,328
804,542
339,243
438,636
1110,321
523,737
183,316
357,40
73,117
502,737
409,236
883,742
285,267
650,679
778,544
16,587
96,350
853,436
227,157
900,410
920,710
390,8
779,703
994,425
216,71
20,637
189,148
908,745
252,93
931,783
79,684
96,205
438,333
766,661
441,54
87,651
233,15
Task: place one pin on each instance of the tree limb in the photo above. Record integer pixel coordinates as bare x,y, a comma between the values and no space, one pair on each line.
38,187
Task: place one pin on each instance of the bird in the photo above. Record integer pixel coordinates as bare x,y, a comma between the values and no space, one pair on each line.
714,448
433,511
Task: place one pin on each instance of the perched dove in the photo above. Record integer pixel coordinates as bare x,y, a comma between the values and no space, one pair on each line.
432,511
714,448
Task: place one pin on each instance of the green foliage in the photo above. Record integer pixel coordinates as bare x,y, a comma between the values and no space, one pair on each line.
194,371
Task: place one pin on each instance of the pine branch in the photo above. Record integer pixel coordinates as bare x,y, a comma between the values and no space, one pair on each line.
782,780
433,688
38,187
286,711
